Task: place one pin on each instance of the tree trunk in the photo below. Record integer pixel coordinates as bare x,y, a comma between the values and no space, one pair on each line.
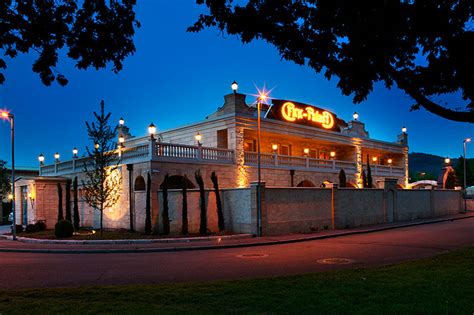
220,213
101,220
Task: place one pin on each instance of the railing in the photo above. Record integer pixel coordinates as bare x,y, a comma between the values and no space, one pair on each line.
298,162
386,170
141,153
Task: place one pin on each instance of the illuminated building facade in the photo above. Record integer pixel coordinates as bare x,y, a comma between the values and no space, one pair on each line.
301,146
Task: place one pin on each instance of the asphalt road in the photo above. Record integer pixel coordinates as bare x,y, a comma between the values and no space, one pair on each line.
31,270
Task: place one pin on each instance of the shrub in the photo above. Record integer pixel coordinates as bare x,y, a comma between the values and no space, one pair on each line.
31,228
19,228
40,226
63,228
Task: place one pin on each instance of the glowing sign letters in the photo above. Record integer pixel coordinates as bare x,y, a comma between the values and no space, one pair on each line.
290,112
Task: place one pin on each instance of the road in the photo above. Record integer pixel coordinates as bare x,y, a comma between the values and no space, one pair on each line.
32,270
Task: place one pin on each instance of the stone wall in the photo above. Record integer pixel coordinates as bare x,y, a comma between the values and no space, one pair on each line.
357,207
299,209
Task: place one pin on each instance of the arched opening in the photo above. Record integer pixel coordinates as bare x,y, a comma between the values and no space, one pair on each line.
305,183
176,182
139,184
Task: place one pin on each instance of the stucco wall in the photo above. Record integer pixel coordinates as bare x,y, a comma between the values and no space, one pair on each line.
237,210
296,210
413,204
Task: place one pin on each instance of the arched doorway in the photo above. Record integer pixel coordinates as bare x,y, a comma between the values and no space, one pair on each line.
139,184
176,182
306,183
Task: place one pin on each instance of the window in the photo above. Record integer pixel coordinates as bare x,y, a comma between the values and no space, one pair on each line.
222,139
313,153
285,149
250,145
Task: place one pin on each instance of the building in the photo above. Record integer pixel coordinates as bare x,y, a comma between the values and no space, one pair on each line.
301,146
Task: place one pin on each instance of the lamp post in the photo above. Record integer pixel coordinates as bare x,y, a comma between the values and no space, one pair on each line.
7,115
234,86
152,130
464,169
261,97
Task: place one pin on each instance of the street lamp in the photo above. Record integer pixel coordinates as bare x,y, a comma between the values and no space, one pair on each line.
261,98
75,151
152,130
447,161
465,172
234,86
56,157
9,116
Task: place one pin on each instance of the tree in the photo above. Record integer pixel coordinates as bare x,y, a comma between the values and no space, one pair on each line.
450,180
342,178
60,202
75,204
459,168
5,185
418,45
184,226
148,205
369,174
165,214
68,200
90,32
103,179
364,180
220,213
202,203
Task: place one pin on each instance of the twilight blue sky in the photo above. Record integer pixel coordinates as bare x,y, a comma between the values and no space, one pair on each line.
176,78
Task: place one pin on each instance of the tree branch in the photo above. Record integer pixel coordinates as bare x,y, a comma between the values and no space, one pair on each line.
422,100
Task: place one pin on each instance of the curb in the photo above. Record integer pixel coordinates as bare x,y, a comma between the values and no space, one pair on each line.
212,247
132,241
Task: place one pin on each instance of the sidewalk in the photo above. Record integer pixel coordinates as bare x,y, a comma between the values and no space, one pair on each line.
186,244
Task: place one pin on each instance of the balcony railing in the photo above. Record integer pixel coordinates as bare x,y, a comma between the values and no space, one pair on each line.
298,162
165,152
386,170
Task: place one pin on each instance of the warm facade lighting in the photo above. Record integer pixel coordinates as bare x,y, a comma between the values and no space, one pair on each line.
332,154
10,197
121,121
355,116
56,156
75,151
306,151
389,161
234,86
404,129
121,139
447,160
374,159
274,147
151,130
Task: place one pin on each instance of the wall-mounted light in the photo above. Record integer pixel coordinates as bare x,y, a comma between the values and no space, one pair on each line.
332,154
152,130
374,159
355,116
56,157
234,86
75,151
10,197
389,161
41,159
275,147
31,198
121,139
306,151
198,138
